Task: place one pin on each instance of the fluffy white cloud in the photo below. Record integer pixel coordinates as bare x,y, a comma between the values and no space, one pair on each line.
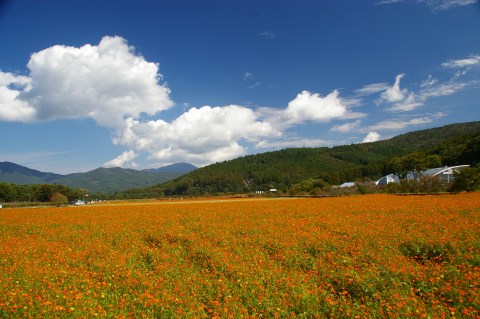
107,83
473,60
371,137
11,107
123,160
200,135
119,89
312,107
212,134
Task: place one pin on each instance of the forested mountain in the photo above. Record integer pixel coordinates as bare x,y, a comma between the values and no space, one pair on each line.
177,167
106,180
14,173
456,144
102,180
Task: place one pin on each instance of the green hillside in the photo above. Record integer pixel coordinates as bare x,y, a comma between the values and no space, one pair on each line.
105,180
14,173
457,143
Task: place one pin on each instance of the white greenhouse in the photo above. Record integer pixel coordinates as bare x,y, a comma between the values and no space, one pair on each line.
444,174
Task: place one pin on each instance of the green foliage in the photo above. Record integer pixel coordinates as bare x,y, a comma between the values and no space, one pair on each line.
462,148
58,199
309,186
10,192
366,186
468,179
413,163
106,180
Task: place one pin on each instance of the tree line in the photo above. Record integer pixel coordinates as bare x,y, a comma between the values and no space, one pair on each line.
10,192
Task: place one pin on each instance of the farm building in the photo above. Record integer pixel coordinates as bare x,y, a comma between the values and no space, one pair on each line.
444,174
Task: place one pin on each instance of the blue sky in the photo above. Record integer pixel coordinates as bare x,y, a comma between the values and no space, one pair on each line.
142,84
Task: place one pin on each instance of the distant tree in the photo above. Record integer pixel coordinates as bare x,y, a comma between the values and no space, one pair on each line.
7,192
366,186
468,179
59,199
309,186
43,192
414,164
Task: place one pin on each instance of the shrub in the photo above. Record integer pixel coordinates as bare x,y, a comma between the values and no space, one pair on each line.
58,199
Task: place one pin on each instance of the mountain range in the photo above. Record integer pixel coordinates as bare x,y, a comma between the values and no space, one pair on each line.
104,180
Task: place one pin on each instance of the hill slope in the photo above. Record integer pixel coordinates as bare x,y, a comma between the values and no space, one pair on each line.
283,168
14,173
104,180
177,167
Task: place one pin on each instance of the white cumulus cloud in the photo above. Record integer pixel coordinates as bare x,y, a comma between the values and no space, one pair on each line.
123,160
309,106
371,137
11,107
107,83
212,134
200,135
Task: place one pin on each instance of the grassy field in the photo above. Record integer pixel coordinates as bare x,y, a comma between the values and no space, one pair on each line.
373,256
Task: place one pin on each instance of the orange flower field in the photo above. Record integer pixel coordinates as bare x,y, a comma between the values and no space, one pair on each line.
372,256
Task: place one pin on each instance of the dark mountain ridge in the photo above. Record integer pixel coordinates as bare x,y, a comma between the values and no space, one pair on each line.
177,167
